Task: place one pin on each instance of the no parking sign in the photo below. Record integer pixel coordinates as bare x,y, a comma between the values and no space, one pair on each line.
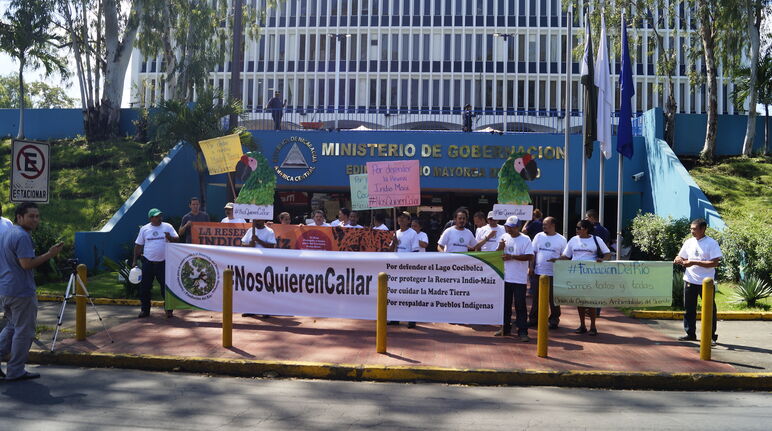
30,166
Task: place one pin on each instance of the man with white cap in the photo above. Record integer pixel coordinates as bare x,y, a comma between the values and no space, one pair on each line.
229,215
488,237
151,245
518,253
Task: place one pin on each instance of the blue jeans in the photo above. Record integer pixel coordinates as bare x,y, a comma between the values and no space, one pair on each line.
151,270
691,292
516,291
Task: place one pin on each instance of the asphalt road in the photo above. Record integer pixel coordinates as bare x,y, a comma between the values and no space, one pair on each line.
83,399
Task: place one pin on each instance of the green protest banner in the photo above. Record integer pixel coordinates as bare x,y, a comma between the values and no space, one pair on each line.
359,195
613,284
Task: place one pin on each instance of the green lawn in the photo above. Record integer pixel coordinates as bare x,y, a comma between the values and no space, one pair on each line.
103,285
723,302
738,187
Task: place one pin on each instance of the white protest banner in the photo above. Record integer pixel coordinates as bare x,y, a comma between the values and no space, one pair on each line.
394,183
423,287
250,212
504,211
613,284
30,165
359,196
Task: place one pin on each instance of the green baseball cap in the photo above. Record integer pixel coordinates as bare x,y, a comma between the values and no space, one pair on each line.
153,212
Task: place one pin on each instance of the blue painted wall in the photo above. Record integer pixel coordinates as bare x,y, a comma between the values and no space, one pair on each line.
45,124
672,191
167,188
730,133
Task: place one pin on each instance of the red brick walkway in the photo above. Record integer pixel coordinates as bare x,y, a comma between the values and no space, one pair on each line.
623,344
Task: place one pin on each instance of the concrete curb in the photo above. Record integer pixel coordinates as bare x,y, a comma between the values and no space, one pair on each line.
412,374
102,301
722,315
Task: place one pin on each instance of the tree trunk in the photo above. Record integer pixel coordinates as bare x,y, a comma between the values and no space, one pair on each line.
22,62
202,178
708,44
766,129
754,21
670,113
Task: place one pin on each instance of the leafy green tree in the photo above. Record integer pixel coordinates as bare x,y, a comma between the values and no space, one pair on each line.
38,95
26,35
178,121
763,89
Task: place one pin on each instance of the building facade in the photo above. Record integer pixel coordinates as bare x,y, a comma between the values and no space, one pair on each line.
411,64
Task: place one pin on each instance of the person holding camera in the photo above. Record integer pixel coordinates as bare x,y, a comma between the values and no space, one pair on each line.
151,246
18,291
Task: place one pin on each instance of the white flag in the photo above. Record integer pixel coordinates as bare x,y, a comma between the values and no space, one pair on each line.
605,93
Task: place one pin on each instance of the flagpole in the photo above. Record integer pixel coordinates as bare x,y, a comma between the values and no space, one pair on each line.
620,164
568,124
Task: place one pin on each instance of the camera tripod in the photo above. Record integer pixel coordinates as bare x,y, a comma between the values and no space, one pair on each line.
68,294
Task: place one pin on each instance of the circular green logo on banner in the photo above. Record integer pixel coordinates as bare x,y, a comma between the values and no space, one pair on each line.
198,276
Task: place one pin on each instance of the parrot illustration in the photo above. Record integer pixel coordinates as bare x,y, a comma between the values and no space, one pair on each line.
258,177
516,170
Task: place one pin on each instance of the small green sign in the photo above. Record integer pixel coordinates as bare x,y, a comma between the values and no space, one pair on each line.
359,194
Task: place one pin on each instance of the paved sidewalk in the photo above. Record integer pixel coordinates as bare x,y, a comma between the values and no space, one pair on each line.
624,344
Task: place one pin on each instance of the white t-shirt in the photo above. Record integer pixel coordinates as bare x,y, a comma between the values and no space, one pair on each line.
493,243
422,237
407,241
233,220
516,271
319,225
705,249
336,222
380,227
584,248
547,247
356,226
457,241
5,224
153,238
265,234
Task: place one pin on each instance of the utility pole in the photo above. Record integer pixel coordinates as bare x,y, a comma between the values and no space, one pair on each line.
235,87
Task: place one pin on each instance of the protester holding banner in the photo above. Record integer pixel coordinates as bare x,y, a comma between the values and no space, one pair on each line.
405,240
151,245
229,215
585,246
700,255
489,237
379,221
452,221
319,220
518,253
353,220
548,246
342,220
259,236
479,221
457,238
195,215
284,218
598,229
423,239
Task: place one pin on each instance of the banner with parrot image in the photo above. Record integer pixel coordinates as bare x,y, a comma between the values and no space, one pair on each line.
513,195
255,199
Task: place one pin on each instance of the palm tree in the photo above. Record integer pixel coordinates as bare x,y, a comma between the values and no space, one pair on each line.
25,34
179,121
763,89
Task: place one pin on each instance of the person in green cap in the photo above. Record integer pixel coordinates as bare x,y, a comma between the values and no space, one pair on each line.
151,246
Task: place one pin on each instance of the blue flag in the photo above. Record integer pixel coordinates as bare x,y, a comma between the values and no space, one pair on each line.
627,88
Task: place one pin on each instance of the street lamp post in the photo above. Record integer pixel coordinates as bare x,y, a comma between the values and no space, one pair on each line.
508,37
338,38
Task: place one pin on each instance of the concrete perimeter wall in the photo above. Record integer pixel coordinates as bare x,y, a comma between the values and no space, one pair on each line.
730,134
46,124
672,191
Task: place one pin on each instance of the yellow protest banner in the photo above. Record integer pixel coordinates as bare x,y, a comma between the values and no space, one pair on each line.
222,153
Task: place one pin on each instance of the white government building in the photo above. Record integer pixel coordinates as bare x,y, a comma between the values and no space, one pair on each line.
414,64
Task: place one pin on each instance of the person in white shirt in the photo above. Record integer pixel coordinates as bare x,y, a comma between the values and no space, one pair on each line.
259,236
405,240
423,239
229,215
4,222
700,255
353,220
378,221
585,246
319,220
548,245
151,245
457,238
518,253
342,220
489,237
